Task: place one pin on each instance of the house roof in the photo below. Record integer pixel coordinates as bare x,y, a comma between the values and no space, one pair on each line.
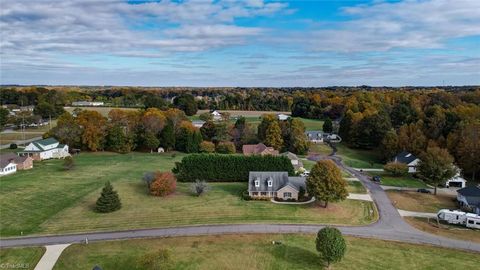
279,180
471,191
290,155
405,157
5,161
7,157
40,144
314,134
256,148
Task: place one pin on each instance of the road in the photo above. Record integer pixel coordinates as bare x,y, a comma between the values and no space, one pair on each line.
390,226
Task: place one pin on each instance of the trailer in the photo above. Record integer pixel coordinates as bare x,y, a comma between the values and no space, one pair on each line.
469,220
473,221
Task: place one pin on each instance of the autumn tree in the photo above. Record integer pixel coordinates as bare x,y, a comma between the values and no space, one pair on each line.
164,184
175,116
153,121
207,147
412,139
67,130
267,119
436,166
94,127
298,142
273,136
464,144
389,146
326,183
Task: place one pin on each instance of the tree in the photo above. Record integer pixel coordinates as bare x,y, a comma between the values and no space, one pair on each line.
199,187
436,166
273,136
411,138
328,125
46,110
208,130
3,117
300,107
396,168
370,131
68,163
207,147
298,141
109,200
67,130
242,133
206,116
389,145
267,119
167,136
150,140
186,103
331,245
464,144
225,148
117,140
164,184
155,101
93,129
326,183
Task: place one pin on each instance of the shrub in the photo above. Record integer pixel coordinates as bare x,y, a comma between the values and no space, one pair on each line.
199,187
331,245
207,147
301,193
148,178
68,163
160,259
108,201
246,196
13,146
227,168
163,185
225,148
396,168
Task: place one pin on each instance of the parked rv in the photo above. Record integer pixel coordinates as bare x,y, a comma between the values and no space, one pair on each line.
460,218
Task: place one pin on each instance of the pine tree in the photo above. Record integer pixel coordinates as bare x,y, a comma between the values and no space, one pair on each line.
108,201
167,137
328,125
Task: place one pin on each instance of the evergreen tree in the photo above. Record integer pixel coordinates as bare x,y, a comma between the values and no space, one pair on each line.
328,126
167,137
150,140
108,200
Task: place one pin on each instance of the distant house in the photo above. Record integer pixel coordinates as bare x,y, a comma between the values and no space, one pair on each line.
274,185
45,149
283,117
456,181
198,123
315,136
409,159
87,103
22,162
258,149
296,162
7,166
216,116
469,197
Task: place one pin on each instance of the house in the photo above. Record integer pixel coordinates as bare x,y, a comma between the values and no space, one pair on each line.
258,149
331,138
198,123
296,162
45,149
87,103
7,166
469,197
283,117
456,181
274,185
22,162
314,136
216,116
409,159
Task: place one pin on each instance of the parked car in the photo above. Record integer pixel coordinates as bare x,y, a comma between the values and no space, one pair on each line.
424,190
376,178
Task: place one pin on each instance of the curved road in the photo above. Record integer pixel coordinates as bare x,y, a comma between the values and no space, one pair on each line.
390,226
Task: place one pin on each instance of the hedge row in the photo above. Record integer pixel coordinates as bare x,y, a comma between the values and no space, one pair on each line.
227,168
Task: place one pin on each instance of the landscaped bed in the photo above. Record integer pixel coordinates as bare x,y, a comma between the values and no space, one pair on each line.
446,230
257,252
421,202
20,258
48,200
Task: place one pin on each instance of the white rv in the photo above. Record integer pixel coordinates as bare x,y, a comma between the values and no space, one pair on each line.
458,217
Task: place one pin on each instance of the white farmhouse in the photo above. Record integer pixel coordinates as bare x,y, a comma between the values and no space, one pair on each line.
7,166
45,149
409,159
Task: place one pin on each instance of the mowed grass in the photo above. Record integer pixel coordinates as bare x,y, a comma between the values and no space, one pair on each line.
445,230
20,258
407,181
421,202
356,187
29,198
257,252
312,124
320,148
358,158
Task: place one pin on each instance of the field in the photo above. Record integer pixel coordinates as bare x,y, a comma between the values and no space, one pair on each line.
407,181
102,110
257,252
420,202
357,158
320,148
48,200
12,137
450,231
20,258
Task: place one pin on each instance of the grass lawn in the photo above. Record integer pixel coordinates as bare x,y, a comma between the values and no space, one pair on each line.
446,230
356,187
102,110
48,200
320,148
312,124
399,181
420,202
20,258
296,251
357,158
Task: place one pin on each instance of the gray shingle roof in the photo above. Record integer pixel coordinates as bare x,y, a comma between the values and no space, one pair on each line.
314,134
470,191
405,157
279,180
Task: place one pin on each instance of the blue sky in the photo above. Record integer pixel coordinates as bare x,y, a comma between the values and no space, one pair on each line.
240,43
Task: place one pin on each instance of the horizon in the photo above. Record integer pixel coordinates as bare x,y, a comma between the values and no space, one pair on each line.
264,44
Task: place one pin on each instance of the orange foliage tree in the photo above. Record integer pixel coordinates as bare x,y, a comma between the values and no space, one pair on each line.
164,184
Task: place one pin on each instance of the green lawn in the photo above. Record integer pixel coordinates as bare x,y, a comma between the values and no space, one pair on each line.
320,148
48,200
20,258
296,251
399,181
356,187
357,158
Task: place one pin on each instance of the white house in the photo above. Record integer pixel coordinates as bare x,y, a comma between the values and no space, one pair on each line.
216,115
7,166
456,181
409,159
283,117
87,103
315,136
45,149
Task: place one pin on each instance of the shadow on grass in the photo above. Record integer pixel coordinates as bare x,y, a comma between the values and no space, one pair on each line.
300,257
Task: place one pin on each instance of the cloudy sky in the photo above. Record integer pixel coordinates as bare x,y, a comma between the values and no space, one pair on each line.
240,43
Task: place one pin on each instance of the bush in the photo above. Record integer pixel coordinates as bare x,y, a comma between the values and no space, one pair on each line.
108,201
246,196
13,146
396,168
148,178
226,148
227,168
68,163
160,259
301,193
207,147
331,245
163,185
199,187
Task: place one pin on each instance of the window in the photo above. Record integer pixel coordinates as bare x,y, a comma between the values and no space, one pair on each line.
263,193
287,195
270,183
470,222
255,193
257,183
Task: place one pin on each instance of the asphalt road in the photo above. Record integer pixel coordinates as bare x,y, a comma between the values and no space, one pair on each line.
390,226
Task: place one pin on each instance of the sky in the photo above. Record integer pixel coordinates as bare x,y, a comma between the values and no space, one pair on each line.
250,43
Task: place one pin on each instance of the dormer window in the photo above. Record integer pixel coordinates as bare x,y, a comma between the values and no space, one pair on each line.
270,183
257,183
